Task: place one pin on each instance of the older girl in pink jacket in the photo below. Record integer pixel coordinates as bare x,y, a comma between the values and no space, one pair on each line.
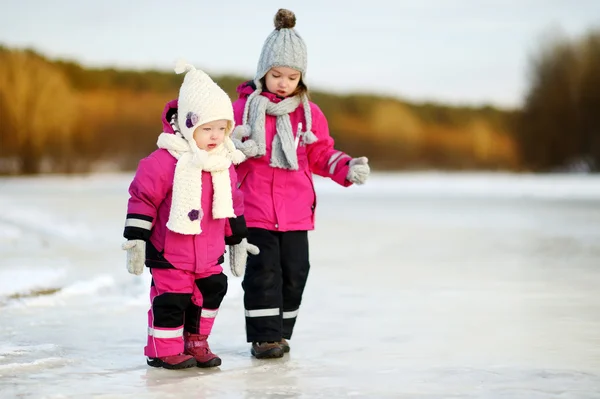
286,140
184,208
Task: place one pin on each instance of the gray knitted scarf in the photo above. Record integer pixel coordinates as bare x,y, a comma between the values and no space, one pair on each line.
285,143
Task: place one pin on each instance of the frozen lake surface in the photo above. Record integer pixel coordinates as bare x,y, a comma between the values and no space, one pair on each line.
424,285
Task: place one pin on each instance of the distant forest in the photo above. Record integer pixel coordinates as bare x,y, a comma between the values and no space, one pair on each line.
57,116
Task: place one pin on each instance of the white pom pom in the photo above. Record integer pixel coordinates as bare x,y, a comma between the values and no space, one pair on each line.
237,157
181,66
309,137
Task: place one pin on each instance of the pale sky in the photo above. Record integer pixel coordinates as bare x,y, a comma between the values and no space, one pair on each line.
457,51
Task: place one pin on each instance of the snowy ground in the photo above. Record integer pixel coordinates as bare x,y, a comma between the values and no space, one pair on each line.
422,286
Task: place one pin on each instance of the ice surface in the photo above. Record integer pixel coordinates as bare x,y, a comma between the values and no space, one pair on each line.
424,285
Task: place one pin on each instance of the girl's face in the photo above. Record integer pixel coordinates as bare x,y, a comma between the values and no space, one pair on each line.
210,135
282,80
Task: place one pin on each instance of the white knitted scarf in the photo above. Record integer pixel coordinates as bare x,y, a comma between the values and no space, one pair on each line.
186,210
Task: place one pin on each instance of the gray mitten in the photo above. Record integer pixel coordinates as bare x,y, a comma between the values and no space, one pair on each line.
248,147
136,256
238,255
359,170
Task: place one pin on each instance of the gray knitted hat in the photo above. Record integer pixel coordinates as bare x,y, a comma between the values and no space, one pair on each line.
283,47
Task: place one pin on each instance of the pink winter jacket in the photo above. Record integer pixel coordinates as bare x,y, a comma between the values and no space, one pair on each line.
150,202
281,199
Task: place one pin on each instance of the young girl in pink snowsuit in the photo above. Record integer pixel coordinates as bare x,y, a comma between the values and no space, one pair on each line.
286,139
184,208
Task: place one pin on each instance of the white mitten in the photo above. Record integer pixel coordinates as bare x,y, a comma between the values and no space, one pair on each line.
136,256
359,170
238,255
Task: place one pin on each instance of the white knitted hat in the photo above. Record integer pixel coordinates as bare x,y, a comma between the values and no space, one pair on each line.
200,101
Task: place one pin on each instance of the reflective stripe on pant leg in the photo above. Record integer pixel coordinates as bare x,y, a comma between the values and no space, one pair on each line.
262,288
165,319
295,268
288,323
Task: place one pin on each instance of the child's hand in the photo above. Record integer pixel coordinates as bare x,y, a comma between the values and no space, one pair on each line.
359,170
136,256
238,255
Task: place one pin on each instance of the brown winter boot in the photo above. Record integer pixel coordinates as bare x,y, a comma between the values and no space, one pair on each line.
173,362
284,345
196,345
266,350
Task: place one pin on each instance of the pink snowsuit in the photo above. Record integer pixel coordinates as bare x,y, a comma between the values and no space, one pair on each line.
187,280
280,199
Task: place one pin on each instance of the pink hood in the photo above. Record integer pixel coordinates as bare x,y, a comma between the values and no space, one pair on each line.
168,111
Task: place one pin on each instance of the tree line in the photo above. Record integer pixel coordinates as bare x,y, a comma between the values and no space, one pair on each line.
58,116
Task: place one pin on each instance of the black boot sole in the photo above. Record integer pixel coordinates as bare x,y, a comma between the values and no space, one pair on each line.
211,363
155,362
272,353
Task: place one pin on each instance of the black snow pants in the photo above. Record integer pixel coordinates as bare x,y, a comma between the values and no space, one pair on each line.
274,282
